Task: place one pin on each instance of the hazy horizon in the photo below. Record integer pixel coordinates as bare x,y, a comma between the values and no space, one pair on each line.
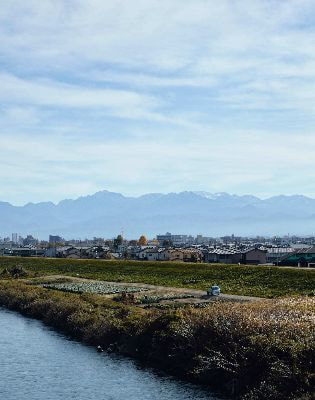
106,213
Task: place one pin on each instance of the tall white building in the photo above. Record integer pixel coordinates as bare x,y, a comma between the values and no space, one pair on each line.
14,237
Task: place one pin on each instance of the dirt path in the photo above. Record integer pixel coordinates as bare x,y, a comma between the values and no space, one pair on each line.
199,295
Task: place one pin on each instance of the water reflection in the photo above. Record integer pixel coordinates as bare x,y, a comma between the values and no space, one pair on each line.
37,363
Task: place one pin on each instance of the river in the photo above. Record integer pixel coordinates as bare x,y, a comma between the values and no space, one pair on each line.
37,363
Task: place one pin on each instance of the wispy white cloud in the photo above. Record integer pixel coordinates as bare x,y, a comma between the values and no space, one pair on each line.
156,96
248,161
56,94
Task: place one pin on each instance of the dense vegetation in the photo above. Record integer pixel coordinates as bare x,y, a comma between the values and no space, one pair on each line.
261,350
233,279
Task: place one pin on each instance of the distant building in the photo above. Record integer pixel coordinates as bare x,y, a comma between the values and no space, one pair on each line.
176,240
192,255
254,256
152,255
223,256
201,240
301,258
55,239
251,256
26,252
171,255
277,254
14,238
164,238
30,241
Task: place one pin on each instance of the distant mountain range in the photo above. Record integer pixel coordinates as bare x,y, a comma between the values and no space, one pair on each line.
106,214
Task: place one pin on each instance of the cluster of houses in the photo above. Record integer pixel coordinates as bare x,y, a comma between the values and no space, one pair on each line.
141,253
168,247
302,257
150,253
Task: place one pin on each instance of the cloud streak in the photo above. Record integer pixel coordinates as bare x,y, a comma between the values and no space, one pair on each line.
157,96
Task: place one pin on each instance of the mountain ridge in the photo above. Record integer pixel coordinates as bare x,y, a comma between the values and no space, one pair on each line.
105,213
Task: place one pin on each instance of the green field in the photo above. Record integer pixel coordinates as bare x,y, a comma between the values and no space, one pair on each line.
233,279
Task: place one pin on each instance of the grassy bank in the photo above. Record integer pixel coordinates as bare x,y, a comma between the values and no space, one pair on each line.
233,279
262,350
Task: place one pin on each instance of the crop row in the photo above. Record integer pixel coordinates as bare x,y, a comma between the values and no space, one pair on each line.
92,287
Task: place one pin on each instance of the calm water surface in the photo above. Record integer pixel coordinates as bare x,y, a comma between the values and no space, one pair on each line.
37,363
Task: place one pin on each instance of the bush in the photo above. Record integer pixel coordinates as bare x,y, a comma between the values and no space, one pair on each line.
15,272
252,351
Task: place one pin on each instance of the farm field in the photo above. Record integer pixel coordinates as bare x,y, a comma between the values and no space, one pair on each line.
244,280
137,294
94,287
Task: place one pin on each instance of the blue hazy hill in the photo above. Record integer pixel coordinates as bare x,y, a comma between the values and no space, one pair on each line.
106,214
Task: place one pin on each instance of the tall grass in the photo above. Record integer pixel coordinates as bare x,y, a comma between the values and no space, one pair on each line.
262,350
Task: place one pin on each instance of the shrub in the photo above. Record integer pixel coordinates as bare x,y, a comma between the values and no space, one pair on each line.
253,351
15,272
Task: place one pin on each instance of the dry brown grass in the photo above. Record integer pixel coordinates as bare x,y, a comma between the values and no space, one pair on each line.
262,350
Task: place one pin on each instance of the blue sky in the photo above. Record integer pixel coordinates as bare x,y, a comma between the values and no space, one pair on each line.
156,96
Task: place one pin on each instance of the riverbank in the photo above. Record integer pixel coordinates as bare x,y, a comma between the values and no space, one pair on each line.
39,363
259,350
